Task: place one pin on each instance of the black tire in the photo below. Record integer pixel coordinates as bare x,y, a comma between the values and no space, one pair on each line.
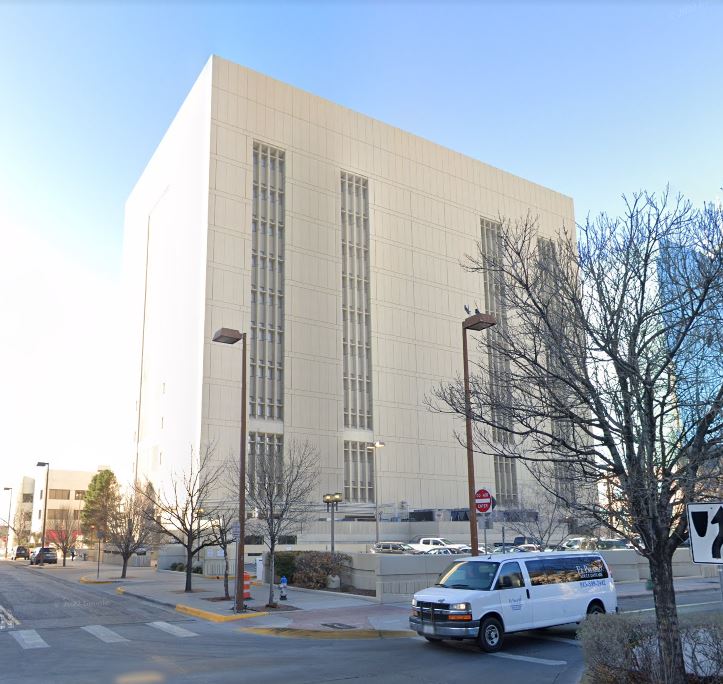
491,635
433,640
596,608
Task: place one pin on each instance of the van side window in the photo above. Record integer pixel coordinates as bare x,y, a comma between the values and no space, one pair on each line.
536,570
510,577
591,567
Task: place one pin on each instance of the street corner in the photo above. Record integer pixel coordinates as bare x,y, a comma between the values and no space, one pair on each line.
340,632
215,617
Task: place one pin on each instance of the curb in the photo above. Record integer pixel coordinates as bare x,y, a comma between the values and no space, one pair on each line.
190,610
86,580
292,633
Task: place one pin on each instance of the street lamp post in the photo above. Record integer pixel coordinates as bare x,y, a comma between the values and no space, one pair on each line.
478,321
10,503
332,504
374,448
231,336
42,464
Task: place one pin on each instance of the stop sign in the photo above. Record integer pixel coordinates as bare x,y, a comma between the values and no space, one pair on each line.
484,501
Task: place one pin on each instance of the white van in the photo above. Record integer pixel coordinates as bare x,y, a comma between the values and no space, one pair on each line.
485,597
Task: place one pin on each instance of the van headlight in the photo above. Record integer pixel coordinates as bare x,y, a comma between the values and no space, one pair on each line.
414,603
460,606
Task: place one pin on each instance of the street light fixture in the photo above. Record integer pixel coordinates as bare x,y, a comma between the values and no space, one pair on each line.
375,447
332,504
231,336
478,321
43,464
10,503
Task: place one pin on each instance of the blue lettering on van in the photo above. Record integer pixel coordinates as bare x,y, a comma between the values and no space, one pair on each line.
593,583
516,604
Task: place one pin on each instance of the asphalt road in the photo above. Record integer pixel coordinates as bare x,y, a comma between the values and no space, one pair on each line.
87,634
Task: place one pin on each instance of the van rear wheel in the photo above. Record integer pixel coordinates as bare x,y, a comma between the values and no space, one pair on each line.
491,635
596,608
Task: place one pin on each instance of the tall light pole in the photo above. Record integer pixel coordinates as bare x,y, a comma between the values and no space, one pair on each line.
374,448
332,504
477,321
42,464
231,336
10,503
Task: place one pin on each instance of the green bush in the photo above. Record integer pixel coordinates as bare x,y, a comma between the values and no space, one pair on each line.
623,649
313,567
197,569
285,564
181,567
173,566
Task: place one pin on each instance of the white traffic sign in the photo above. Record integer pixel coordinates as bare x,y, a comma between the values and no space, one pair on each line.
705,527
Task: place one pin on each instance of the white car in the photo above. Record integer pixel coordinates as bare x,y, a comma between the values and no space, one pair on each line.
425,543
486,597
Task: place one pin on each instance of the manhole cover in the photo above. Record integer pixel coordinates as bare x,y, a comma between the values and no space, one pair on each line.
337,625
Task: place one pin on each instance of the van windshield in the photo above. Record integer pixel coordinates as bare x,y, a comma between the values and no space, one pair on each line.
468,575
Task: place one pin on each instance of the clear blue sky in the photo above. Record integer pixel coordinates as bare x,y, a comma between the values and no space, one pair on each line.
591,100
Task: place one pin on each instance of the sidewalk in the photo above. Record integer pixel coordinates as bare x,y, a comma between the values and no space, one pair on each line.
306,612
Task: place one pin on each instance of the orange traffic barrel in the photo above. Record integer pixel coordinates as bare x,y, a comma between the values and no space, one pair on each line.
247,585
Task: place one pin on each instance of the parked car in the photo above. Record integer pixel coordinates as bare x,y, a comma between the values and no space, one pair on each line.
392,547
507,548
49,556
21,552
423,544
611,544
441,551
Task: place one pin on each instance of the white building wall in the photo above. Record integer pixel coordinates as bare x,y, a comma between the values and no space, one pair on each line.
426,203
164,265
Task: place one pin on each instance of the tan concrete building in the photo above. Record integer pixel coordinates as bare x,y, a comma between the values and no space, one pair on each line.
334,241
65,491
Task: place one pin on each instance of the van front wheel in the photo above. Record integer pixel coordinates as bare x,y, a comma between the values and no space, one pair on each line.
491,635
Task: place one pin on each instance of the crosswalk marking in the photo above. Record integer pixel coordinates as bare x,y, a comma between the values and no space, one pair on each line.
104,634
528,659
7,619
175,630
29,638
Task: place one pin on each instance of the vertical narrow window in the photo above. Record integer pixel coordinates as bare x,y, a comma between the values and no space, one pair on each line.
356,309
265,461
358,472
499,367
267,284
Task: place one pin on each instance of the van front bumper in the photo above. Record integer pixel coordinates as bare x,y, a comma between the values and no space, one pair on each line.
443,629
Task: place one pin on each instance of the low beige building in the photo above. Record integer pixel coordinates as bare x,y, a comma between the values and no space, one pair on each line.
334,241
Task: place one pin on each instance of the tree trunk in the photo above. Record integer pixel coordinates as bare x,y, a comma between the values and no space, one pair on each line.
671,651
125,566
63,559
272,572
225,573
189,569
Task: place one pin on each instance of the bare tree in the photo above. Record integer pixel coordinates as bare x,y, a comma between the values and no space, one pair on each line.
543,517
128,526
220,533
63,529
177,511
21,527
279,489
607,365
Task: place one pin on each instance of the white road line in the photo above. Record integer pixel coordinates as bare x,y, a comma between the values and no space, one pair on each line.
528,659
7,619
104,634
28,638
172,629
680,605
